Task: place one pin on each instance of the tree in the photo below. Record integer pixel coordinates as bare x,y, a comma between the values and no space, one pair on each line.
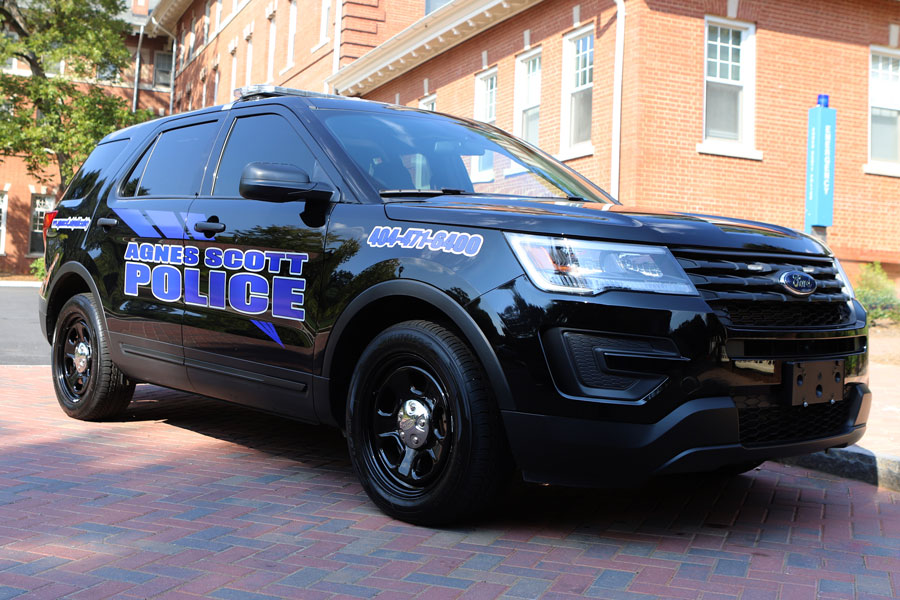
57,119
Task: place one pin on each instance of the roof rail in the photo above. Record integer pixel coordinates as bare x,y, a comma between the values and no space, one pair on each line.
268,91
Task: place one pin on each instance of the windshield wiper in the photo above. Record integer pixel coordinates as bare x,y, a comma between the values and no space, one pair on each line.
422,193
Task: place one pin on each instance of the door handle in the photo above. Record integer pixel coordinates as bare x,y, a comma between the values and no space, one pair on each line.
209,227
106,223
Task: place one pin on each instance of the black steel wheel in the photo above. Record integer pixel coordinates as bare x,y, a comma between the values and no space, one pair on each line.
88,385
423,430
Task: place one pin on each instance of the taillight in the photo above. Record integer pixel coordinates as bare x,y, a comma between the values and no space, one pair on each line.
48,220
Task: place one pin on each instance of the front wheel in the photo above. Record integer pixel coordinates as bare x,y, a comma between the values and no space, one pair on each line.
88,385
423,429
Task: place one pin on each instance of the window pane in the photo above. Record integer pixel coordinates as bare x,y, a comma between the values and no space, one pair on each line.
39,207
581,117
261,138
723,53
130,188
89,174
885,134
723,111
530,121
176,164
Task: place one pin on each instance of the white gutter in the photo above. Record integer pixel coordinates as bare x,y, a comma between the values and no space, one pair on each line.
619,67
174,54
137,70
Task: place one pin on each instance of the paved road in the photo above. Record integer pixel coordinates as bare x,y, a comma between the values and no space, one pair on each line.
186,497
21,342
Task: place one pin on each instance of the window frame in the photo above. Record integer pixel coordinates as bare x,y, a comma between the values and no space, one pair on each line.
156,55
31,229
430,99
480,175
569,151
325,9
746,146
521,89
879,167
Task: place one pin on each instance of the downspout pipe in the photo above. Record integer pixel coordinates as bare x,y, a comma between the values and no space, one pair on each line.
137,70
336,56
618,71
174,63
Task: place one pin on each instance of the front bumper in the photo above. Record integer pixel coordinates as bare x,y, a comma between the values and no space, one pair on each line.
613,389
700,435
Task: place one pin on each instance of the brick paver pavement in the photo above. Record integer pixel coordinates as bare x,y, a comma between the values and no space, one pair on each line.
186,497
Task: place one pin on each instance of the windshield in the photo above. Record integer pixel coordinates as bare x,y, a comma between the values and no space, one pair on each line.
414,152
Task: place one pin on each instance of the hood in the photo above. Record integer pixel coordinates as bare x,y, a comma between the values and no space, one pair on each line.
610,222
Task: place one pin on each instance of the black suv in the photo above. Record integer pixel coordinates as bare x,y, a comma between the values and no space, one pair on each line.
459,302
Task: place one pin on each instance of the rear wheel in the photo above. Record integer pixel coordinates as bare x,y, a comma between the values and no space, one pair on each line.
88,385
424,431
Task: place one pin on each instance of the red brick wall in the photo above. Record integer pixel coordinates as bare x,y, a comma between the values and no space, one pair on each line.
802,49
15,182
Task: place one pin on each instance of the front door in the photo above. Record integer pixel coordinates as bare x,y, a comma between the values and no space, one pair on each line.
250,316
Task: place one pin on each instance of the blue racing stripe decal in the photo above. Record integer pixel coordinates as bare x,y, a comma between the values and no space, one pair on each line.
138,222
168,223
268,329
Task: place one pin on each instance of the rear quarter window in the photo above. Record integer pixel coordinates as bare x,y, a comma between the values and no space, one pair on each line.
94,170
174,163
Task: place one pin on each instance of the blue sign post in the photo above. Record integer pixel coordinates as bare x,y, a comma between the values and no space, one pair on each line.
820,166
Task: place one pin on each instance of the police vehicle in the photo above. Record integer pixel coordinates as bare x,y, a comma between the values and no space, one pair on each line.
459,302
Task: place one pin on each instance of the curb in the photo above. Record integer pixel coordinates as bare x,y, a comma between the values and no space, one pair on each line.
20,284
853,462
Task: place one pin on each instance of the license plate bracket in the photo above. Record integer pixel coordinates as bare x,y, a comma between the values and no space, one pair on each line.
814,382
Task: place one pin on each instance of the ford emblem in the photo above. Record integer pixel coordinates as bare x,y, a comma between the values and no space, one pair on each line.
798,283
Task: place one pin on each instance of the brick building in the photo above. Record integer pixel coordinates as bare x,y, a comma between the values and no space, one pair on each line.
688,105
23,199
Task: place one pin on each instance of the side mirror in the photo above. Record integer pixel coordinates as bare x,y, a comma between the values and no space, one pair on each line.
277,182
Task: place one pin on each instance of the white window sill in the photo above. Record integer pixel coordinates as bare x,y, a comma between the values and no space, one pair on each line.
732,149
286,68
35,255
888,169
482,176
318,46
514,170
573,152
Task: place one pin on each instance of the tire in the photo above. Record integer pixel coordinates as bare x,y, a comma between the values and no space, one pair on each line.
88,385
460,464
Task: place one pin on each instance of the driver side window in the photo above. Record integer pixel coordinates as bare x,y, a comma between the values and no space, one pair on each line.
261,138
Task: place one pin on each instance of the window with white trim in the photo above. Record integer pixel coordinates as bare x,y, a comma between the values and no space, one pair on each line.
3,197
206,10
577,93
729,89
182,47
884,109
528,96
248,79
325,21
40,205
486,112
192,48
218,14
162,69
429,102
292,31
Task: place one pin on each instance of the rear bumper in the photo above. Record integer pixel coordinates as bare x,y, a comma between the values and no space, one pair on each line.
700,435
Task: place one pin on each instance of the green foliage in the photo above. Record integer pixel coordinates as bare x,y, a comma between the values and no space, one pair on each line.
59,119
37,268
876,292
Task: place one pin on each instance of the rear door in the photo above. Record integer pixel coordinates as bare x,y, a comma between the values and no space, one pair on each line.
143,221
250,318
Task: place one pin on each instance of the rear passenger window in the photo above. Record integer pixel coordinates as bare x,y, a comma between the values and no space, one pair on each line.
89,174
173,166
262,138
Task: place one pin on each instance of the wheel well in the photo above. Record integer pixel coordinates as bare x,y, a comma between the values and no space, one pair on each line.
362,329
70,285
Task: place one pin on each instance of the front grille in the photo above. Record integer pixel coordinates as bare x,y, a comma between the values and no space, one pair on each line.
744,288
780,424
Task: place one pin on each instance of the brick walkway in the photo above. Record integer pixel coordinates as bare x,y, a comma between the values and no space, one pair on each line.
186,497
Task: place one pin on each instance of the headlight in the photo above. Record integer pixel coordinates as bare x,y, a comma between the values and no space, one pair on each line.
847,289
585,267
